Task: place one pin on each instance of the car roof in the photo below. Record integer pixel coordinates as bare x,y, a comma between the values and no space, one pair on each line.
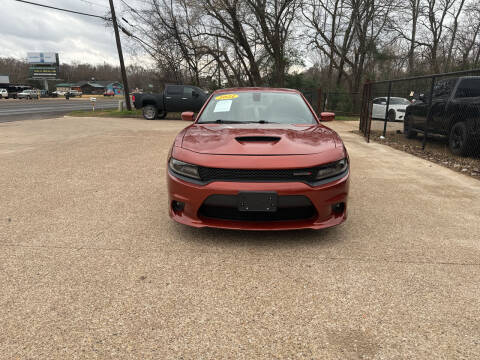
258,89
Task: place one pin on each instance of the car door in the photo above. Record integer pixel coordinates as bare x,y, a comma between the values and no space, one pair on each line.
378,108
173,98
188,99
199,98
441,94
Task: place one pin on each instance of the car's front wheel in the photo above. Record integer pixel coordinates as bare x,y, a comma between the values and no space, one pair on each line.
392,115
150,112
460,141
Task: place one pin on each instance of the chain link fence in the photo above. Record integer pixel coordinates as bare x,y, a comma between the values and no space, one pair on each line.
339,102
313,96
435,116
342,102
441,109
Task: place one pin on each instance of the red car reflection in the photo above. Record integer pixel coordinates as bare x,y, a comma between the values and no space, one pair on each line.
258,159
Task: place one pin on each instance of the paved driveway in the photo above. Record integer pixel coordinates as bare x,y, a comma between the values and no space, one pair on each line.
91,266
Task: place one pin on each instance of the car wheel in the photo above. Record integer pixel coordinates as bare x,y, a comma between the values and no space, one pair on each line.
162,115
459,140
407,131
392,115
150,112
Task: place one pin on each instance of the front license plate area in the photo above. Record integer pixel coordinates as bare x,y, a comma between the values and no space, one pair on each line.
257,201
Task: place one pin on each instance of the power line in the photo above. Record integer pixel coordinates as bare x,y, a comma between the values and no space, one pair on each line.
60,9
93,4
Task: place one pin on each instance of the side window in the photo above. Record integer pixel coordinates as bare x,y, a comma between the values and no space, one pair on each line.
376,101
468,88
443,88
174,90
187,91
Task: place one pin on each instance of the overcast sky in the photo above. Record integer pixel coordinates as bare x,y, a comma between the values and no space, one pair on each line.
77,38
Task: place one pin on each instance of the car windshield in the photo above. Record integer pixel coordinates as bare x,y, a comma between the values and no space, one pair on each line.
399,101
257,107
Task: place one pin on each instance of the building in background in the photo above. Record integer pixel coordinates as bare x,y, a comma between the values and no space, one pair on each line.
4,81
93,87
112,87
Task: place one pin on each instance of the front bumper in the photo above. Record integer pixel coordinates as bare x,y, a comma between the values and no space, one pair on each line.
322,197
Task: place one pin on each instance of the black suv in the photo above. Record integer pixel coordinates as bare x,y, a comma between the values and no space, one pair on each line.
455,113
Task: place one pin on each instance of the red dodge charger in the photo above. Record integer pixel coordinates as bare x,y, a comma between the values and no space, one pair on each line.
258,159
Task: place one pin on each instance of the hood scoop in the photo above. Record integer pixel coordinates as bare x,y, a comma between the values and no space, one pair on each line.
257,139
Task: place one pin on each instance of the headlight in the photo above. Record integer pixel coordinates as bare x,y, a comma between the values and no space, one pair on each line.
332,169
183,168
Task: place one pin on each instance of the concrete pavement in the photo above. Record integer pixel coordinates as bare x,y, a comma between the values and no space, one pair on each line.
92,267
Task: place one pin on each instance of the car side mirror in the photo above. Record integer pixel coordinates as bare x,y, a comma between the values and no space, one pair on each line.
327,116
188,116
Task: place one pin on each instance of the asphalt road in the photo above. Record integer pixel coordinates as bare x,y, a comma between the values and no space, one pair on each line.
14,110
91,266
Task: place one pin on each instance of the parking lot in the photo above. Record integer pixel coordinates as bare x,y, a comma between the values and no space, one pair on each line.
92,267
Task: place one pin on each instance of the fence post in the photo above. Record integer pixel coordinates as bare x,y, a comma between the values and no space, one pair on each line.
364,110
429,113
386,110
325,95
369,111
319,101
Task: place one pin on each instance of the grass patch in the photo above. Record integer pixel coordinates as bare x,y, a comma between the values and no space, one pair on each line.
346,118
118,114
106,113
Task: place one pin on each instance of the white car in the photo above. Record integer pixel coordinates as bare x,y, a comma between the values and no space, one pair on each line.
28,94
396,108
74,93
3,94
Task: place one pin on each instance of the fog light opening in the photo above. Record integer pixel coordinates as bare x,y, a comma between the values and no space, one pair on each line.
178,206
338,208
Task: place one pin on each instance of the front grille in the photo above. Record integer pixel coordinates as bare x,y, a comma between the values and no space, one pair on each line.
210,174
290,207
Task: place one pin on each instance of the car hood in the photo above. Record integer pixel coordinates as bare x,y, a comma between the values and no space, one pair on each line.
255,139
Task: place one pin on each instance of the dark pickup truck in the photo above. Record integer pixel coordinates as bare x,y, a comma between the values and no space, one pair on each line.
175,98
455,113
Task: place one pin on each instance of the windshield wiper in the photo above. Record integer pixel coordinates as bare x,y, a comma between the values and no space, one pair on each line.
263,122
220,121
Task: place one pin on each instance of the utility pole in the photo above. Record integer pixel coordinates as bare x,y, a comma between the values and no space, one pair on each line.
120,56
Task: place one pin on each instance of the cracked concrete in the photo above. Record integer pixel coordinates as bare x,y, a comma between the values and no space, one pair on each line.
92,267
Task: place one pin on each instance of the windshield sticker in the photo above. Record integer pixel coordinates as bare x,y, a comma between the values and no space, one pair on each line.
223,106
227,97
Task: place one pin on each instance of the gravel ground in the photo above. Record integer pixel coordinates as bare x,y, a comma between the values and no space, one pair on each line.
436,149
92,267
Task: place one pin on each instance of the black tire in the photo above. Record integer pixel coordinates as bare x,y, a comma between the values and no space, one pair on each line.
407,131
150,112
459,140
392,115
162,115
